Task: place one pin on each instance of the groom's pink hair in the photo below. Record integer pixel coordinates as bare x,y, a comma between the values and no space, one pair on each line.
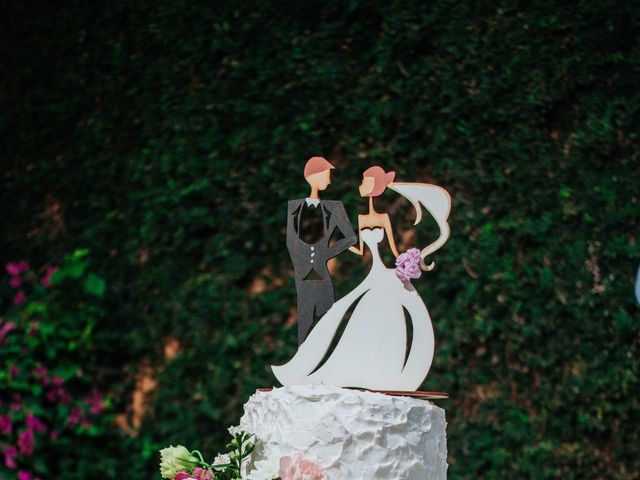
382,179
316,165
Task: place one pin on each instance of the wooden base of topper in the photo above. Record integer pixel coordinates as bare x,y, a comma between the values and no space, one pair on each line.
395,393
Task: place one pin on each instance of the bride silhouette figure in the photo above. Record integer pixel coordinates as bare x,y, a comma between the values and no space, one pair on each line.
373,351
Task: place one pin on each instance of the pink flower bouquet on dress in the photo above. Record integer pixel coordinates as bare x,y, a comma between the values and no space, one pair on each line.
408,265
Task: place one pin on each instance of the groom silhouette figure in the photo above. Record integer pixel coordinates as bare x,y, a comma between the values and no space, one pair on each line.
310,250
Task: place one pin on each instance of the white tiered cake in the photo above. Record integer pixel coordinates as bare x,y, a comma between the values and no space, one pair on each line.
351,434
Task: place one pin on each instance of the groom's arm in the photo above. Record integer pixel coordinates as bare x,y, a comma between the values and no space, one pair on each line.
292,234
344,226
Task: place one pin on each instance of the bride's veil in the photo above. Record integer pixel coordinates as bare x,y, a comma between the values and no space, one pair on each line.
437,202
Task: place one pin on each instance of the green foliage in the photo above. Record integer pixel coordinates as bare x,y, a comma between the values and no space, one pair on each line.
167,136
49,405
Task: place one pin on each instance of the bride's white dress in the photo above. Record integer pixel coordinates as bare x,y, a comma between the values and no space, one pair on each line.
372,351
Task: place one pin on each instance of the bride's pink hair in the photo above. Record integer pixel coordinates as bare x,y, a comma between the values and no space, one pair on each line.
382,179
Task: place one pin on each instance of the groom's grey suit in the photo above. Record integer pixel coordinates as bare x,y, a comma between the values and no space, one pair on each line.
315,295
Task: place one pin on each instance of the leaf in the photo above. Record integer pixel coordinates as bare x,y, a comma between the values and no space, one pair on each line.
94,285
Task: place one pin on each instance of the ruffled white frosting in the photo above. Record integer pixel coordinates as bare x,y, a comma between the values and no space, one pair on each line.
353,435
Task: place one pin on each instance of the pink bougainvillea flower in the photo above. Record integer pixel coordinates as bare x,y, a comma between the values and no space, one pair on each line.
63,396
57,380
75,416
35,424
5,424
45,281
10,454
297,467
202,474
54,435
39,371
16,404
14,371
19,297
52,395
24,475
33,328
15,269
5,329
95,402
15,282
26,442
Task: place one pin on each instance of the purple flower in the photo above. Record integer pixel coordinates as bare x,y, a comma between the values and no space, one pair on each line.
408,265
24,475
19,298
10,454
5,424
35,424
26,442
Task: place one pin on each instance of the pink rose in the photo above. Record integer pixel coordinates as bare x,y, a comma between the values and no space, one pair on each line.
182,476
299,468
10,454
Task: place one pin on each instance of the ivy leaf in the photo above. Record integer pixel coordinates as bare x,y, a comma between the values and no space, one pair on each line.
94,285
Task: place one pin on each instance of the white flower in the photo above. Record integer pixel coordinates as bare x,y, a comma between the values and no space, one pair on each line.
234,431
221,459
267,469
174,460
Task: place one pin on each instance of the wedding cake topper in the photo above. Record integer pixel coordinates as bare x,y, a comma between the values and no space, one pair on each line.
388,342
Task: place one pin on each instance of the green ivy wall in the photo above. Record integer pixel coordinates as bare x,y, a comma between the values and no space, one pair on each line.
167,136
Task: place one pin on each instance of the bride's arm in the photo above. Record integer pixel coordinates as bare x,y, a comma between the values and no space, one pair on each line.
358,250
387,228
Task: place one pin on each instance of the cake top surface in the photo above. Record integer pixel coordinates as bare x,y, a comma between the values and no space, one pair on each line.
350,434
